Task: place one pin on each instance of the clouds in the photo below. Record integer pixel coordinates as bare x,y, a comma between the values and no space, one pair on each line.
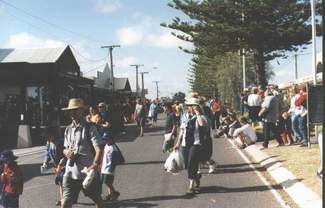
124,63
107,6
129,36
25,40
149,33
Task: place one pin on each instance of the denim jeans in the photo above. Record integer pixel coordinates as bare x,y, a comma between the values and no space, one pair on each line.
191,155
303,128
295,128
269,127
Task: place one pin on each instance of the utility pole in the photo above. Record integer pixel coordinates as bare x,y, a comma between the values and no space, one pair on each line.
137,80
313,28
157,88
142,92
111,47
296,67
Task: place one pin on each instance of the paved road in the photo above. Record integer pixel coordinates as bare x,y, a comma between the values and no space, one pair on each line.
143,182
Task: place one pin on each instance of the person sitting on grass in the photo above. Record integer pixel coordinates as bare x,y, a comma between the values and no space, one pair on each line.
245,135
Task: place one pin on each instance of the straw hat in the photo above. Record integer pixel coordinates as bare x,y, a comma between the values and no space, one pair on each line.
192,101
75,103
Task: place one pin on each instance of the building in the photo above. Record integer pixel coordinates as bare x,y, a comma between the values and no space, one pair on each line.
34,85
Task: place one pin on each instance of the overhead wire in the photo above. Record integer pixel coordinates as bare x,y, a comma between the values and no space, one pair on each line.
50,23
95,68
59,38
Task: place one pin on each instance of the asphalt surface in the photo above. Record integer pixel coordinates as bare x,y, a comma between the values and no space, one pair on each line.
143,182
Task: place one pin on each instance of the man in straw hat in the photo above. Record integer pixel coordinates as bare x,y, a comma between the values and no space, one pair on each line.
83,148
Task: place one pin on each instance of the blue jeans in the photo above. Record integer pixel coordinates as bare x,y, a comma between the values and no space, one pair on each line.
303,129
267,128
295,128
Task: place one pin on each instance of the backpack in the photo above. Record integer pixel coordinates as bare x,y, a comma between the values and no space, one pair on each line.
13,179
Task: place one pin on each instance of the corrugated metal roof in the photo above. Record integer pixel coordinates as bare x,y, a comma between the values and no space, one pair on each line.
34,56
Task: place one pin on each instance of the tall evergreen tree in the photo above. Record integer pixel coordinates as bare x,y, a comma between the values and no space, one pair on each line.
264,28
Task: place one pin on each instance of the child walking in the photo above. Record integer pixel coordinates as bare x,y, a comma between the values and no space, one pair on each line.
110,160
11,179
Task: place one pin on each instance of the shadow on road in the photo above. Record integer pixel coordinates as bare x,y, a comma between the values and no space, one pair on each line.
132,132
153,129
130,204
144,163
153,198
31,170
222,189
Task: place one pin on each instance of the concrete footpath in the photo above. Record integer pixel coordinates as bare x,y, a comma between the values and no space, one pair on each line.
302,195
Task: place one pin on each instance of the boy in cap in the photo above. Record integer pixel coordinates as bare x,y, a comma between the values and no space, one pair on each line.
12,180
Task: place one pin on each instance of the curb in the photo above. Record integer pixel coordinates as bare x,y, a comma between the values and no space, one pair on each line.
29,151
302,195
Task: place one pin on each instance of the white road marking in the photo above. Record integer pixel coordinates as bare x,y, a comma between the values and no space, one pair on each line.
273,191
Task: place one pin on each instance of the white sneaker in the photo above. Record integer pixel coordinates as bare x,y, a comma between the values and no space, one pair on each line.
211,169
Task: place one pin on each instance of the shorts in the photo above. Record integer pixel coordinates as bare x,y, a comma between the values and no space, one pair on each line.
71,189
107,179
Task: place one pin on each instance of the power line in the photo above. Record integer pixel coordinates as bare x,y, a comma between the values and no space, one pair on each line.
88,59
95,68
49,23
59,38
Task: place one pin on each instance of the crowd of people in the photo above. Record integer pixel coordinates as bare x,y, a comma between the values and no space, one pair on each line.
89,140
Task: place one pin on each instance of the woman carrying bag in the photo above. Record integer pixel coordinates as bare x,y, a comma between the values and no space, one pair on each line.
190,143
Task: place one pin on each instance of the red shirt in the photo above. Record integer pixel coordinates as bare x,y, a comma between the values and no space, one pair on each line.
10,171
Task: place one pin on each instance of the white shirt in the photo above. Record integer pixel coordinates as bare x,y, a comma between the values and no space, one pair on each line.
107,159
292,103
254,100
248,131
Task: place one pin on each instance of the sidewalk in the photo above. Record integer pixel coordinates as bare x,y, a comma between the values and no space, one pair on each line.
302,195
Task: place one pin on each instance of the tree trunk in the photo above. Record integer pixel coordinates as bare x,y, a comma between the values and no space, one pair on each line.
260,69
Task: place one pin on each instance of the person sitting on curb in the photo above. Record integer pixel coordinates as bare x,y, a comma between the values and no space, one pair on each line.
245,135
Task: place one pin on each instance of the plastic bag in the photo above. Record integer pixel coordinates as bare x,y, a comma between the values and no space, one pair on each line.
175,162
89,178
168,143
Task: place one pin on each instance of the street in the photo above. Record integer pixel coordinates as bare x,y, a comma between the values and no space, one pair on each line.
143,182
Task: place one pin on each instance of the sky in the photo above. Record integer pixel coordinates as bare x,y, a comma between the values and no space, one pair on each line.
87,25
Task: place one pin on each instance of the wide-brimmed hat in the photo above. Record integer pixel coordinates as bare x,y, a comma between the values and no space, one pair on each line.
192,101
7,155
75,103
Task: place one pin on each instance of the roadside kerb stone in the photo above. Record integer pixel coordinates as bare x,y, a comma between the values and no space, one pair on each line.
29,151
302,195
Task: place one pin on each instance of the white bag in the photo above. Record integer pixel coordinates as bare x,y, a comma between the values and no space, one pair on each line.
89,178
168,142
175,162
